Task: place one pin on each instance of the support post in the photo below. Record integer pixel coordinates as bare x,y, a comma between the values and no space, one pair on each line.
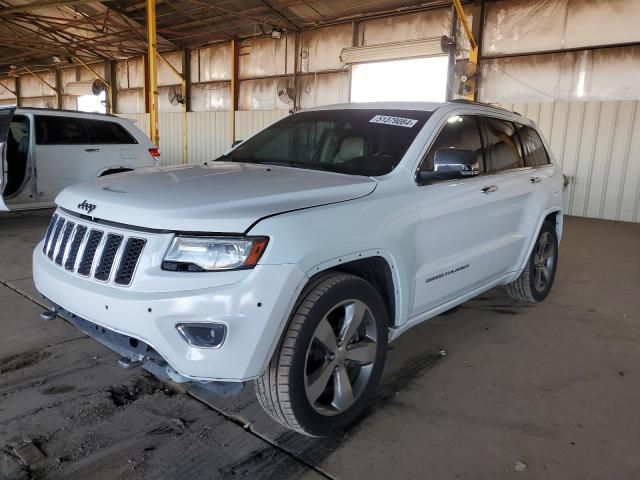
59,100
296,68
473,52
234,88
183,90
186,101
152,68
39,77
355,42
453,33
112,76
17,93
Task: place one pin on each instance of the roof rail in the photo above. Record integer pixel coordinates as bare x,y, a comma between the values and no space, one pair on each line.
482,104
63,110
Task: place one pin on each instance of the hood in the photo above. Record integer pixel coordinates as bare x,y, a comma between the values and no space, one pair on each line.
222,197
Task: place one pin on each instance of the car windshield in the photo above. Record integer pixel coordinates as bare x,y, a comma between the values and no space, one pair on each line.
357,142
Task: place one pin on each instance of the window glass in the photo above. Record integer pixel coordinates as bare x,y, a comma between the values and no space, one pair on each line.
503,145
58,130
105,132
460,132
355,142
19,131
535,154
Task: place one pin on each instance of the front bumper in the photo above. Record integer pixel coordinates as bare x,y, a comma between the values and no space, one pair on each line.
254,309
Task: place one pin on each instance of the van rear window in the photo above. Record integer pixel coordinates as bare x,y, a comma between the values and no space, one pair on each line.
105,133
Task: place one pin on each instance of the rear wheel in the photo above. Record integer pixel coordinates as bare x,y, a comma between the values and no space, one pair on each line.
325,372
535,282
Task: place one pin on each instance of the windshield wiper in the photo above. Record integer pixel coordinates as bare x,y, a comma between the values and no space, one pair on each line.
278,163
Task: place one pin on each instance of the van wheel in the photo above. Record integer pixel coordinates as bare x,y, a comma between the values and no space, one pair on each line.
326,370
535,282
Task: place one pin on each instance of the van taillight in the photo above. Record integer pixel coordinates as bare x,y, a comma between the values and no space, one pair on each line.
155,152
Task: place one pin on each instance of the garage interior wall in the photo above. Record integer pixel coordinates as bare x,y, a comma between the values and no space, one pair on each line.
552,62
547,59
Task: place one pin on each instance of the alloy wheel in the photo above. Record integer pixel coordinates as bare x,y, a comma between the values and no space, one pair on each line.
543,261
340,357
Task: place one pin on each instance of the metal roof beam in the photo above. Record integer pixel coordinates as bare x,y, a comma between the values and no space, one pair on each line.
46,3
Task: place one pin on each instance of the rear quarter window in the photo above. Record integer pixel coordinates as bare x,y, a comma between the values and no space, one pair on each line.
535,155
106,132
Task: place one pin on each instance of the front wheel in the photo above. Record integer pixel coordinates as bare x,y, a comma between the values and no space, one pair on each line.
535,282
326,370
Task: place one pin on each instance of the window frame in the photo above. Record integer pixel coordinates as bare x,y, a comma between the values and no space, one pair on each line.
486,142
443,124
94,136
544,147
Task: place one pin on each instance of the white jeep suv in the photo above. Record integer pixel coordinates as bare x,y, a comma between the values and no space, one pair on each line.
296,257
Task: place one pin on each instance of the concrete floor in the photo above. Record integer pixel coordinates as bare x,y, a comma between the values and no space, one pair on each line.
548,391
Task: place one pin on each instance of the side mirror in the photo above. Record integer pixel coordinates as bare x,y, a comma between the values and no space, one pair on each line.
449,164
237,142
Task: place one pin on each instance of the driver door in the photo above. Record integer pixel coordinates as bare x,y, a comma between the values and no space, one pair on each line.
455,239
6,114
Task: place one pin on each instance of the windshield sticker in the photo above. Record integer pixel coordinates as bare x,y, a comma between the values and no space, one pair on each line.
397,121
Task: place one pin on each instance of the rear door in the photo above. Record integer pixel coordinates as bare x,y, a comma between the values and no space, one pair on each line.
5,119
120,147
66,153
519,194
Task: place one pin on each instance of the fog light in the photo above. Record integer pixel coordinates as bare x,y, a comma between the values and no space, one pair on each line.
203,335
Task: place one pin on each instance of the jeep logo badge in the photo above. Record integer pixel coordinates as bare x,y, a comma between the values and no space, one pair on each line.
86,206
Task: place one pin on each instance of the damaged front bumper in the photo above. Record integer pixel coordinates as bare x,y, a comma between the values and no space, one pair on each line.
136,353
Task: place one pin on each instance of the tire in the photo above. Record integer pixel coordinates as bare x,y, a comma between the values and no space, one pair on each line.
544,258
295,375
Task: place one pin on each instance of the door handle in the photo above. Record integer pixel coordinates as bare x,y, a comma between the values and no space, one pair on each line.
91,149
489,189
535,179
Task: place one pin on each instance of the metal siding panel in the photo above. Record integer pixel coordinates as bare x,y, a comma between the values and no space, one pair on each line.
597,145
170,128
629,209
141,120
597,186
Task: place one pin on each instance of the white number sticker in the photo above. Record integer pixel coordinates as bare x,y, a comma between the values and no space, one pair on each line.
397,121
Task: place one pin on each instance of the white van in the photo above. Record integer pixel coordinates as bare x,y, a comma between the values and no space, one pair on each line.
42,151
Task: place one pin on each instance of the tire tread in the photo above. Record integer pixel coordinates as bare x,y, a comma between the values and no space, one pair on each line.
521,288
272,388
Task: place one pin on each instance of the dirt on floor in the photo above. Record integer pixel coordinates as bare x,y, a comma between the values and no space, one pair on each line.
493,389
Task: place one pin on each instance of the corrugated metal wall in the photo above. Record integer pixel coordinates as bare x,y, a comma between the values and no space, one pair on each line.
208,133
597,145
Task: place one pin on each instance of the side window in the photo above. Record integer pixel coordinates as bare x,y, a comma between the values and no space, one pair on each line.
106,132
460,133
535,154
503,145
59,130
19,132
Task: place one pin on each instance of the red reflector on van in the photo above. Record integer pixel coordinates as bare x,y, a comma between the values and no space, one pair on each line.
155,152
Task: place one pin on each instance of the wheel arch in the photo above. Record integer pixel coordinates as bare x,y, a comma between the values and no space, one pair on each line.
376,267
555,216
114,170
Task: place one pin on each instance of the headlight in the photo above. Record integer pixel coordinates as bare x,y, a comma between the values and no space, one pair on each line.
206,254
